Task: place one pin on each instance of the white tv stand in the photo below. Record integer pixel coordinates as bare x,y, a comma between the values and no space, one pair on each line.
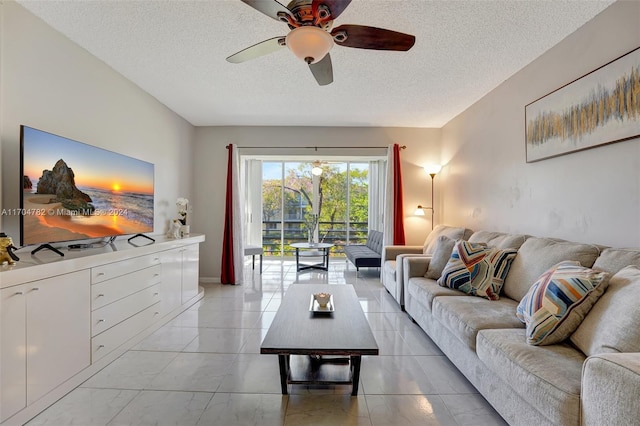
62,319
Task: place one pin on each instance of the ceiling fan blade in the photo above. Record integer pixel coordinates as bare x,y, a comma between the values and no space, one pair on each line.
257,50
336,7
323,71
271,8
363,37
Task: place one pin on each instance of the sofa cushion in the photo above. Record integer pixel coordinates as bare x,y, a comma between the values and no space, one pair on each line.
465,316
453,232
548,377
441,255
368,255
424,290
559,300
476,269
612,325
498,239
393,268
362,256
612,260
374,241
537,255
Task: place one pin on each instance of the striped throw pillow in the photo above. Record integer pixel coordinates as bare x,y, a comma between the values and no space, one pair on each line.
558,301
477,270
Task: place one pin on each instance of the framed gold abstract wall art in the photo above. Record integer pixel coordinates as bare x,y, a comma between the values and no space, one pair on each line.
598,108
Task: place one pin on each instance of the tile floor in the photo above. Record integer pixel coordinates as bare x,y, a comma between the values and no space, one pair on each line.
204,368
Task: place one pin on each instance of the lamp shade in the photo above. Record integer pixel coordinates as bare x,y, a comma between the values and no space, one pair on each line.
419,211
308,43
433,169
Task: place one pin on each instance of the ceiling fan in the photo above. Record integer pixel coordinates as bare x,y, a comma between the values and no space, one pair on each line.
311,36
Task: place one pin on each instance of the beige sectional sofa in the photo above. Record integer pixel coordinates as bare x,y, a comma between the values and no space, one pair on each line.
556,384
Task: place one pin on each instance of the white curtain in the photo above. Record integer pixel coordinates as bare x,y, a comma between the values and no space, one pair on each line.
252,186
387,218
238,219
387,207
377,182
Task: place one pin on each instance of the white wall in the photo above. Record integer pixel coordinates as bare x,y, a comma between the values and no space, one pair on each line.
590,196
210,166
50,83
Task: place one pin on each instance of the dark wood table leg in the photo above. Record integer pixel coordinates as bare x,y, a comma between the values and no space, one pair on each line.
283,360
297,259
355,373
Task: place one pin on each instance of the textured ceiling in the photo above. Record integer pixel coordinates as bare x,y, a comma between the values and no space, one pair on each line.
175,50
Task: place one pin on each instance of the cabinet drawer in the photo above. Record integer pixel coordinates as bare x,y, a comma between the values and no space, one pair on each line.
114,313
106,342
116,269
114,289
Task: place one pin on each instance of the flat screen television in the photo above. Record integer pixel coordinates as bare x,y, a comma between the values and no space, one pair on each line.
74,191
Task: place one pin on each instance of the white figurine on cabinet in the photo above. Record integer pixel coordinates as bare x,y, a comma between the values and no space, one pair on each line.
174,232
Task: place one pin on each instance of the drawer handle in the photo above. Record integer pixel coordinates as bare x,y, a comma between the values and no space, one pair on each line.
35,289
101,320
100,274
156,275
156,313
155,259
18,293
101,295
100,347
155,294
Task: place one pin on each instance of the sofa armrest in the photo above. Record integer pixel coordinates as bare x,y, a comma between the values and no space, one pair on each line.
391,252
611,389
415,266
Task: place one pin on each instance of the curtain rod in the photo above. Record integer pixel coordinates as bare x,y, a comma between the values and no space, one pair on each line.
314,147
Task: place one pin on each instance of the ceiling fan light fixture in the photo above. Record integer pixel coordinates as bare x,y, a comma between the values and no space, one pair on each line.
316,168
310,44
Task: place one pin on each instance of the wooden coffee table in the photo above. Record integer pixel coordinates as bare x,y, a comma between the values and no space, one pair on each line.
332,344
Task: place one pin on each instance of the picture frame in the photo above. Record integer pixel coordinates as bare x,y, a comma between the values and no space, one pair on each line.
599,108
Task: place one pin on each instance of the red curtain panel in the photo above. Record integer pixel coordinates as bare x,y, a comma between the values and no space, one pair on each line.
398,210
227,275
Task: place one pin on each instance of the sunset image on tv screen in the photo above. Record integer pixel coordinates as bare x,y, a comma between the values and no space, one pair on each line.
71,190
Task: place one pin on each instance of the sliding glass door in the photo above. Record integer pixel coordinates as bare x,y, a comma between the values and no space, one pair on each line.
358,202
293,199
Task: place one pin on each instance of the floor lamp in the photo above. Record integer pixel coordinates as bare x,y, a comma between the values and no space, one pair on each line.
432,171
